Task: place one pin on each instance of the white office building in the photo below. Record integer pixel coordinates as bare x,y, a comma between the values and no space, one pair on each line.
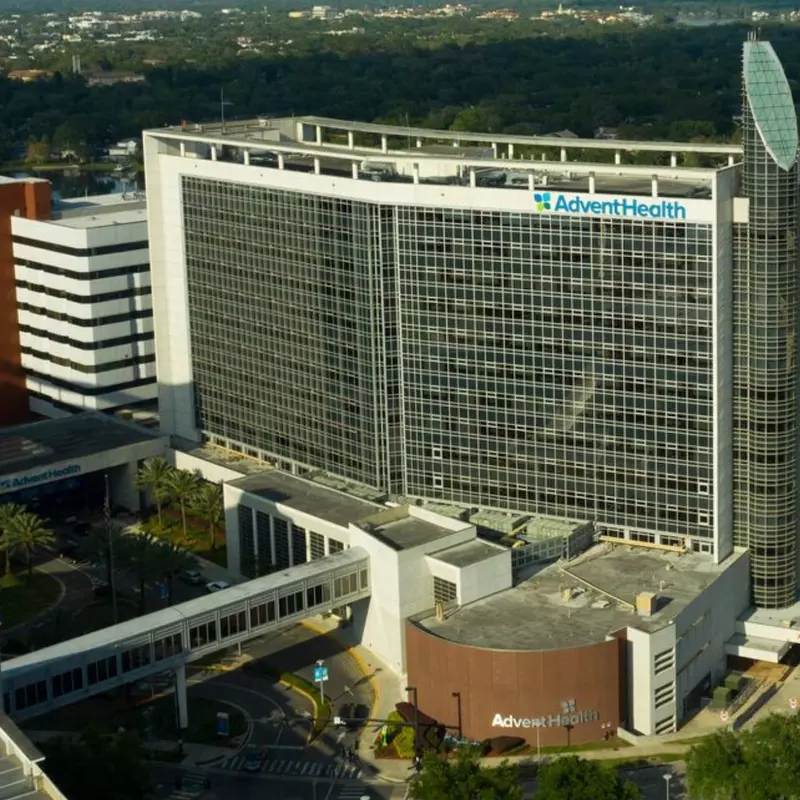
84,305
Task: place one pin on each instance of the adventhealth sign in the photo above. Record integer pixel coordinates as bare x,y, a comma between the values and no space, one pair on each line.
52,474
551,721
630,207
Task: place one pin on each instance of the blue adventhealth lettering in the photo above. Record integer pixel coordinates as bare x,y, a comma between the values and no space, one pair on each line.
575,204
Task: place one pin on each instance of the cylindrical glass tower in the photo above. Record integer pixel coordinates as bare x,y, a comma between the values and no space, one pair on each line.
765,369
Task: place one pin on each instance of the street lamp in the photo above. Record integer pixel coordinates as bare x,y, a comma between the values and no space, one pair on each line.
457,696
667,779
415,695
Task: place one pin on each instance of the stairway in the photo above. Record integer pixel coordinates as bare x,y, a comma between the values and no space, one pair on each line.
14,785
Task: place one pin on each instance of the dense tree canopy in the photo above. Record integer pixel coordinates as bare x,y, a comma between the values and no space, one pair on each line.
98,767
655,83
463,778
576,779
762,763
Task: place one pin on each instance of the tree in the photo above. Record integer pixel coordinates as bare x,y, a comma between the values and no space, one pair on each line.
172,560
7,513
140,555
28,532
575,778
37,151
758,764
154,475
463,778
209,506
182,487
98,767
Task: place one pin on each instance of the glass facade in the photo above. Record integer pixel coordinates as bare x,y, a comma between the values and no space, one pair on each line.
765,330
559,364
285,295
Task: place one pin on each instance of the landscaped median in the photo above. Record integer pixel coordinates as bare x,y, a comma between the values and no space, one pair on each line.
322,708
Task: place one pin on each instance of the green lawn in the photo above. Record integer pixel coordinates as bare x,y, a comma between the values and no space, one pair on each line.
22,599
154,719
197,539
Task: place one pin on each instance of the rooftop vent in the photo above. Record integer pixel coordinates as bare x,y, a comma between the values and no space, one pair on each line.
646,603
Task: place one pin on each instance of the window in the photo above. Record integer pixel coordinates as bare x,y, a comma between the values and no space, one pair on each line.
703,518
99,671
664,695
291,604
168,646
203,634
436,452
663,661
335,546
444,591
31,695
135,658
316,543
438,482
317,595
703,488
67,682
232,624
262,614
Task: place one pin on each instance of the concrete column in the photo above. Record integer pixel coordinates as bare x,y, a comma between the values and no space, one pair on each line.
545,179
180,697
183,149
384,144
121,485
654,186
731,161
563,153
257,555
213,152
272,539
308,544
317,168
531,182
416,173
280,161
351,140
472,180
327,545
673,159
419,142
246,158
319,134
494,149
354,170
510,150
617,157
592,183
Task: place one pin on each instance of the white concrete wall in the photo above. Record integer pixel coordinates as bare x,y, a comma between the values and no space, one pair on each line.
487,577
642,648
215,473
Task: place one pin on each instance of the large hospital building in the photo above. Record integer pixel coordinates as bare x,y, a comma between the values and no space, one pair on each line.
562,334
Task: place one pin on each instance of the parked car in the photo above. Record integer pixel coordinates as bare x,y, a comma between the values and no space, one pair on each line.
192,576
217,586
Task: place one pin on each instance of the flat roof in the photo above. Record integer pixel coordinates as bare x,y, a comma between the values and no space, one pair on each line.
464,555
787,618
25,447
101,210
405,533
536,615
307,496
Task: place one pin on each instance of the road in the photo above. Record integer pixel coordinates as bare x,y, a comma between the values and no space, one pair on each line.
241,786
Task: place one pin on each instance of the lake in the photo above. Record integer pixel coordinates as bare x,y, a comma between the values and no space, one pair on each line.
72,183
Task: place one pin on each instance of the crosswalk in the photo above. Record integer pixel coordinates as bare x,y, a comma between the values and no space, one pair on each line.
295,767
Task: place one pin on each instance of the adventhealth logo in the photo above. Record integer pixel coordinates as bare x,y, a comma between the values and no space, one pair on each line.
617,207
20,482
542,201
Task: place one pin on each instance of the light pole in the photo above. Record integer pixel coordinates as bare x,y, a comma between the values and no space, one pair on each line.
457,696
414,694
667,779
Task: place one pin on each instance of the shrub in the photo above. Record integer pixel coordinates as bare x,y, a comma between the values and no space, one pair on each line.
431,733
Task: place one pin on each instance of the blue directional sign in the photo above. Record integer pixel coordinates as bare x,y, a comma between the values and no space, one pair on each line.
320,674
163,591
223,724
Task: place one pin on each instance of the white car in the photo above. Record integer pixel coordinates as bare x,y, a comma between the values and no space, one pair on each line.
217,586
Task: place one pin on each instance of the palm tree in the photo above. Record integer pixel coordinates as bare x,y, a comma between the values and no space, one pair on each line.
27,532
101,546
7,512
208,505
183,487
172,560
140,553
154,475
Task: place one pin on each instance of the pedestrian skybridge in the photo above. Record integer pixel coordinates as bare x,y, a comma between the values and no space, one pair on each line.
173,637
